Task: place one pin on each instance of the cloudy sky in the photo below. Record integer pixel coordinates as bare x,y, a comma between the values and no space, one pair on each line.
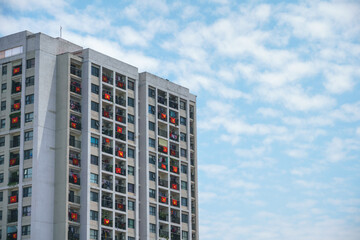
278,100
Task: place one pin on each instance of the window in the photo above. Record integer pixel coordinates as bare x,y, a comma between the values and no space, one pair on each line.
94,196
3,105
183,137
183,121
184,168
2,141
151,109
151,126
184,202
95,124
183,152
3,87
152,210
27,173
1,177
184,218
28,154
27,192
152,159
131,205
152,193
94,215
29,99
25,230
1,159
29,81
28,136
94,106
29,117
30,63
131,223
131,238
152,228
94,178
151,92
131,136
95,71
94,88
94,142
131,188
93,234
26,211
184,185
131,118
182,105
151,142
131,102
2,123
131,85
185,235
131,153
152,176
4,70
131,171
0,217
94,160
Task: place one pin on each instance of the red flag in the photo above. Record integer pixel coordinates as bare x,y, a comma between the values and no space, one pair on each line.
77,89
172,120
165,149
104,78
175,169
118,129
106,114
174,186
174,202
107,140
118,170
119,118
75,178
120,153
163,116
16,70
14,235
106,221
120,206
18,89
75,161
163,166
107,96
120,84
163,199
73,125
12,161
13,199
74,216
16,106
15,120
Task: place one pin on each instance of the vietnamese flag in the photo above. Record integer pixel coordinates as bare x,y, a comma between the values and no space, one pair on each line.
14,235
106,221
172,152
163,199
120,84
118,129
16,106
12,161
75,178
163,166
165,149
163,116
175,169
18,88
174,186
174,202
118,170
104,78
120,206
120,153
119,118
15,120
13,199
74,216
75,161
16,70
106,114
77,89
73,125
107,140
172,120
107,96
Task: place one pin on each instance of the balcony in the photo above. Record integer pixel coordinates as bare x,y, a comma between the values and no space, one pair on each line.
120,100
120,81
175,236
16,106
15,121
120,170
75,106
73,235
162,149
15,143
12,218
75,70
174,136
120,206
74,216
16,87
75,122
162,100
74,198
74,160
11,236
14,160
106,201
163,234
107,96
175,219
107,167
162,133
75,143
107,113
120,188
120,136
107,131
163,166
13,199
75,87
173,102
107,79
163,216
107,149
107,184
163,183
120,223
13,178
174,153
74,178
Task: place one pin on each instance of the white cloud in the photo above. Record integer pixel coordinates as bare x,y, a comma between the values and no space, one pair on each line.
269,112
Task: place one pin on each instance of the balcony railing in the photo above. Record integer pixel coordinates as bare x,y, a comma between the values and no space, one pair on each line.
121,84
14,143
107,149
120,136
162,133
75,143
73,236
175,219
163,216
120,224
12,218
120,170
107,114
16,87
107,167
120,206
163,183
162,100
106,203
75,71
173,104
74,198
174,136
163,234
75,125
74,216
120,188
16,107
13,179
74,179
107,131
120,118
75,88
75,106
107,79
175,236
174,153
107,184
74,161
120,100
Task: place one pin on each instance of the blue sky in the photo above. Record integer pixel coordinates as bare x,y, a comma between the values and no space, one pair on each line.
278,100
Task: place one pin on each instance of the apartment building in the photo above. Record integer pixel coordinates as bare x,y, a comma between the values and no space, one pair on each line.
82,140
